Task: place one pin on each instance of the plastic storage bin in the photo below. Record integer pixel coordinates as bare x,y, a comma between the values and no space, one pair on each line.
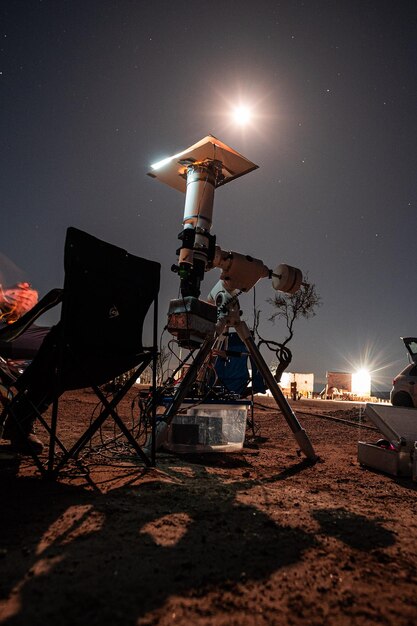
209,427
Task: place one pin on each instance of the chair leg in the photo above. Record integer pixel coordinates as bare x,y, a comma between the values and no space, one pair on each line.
109,409
8,413
51,430
49,470
53,438
128,434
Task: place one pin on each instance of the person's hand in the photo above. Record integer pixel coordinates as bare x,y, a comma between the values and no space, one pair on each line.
16,301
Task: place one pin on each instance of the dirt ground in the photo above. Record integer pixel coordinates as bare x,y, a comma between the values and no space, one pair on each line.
252,538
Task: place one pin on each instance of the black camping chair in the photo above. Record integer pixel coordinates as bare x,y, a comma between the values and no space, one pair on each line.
106,296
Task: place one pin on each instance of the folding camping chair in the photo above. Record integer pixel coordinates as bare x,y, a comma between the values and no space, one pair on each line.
106,296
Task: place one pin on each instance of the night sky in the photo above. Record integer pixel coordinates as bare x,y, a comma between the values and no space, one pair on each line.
94,91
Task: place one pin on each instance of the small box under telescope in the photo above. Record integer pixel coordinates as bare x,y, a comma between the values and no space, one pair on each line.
191,320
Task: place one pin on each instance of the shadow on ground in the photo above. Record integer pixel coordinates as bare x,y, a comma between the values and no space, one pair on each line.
85,557
357,531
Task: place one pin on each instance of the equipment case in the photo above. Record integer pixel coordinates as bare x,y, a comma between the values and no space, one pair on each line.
398,426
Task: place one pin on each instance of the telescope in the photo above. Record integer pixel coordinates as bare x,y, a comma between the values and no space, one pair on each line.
198,171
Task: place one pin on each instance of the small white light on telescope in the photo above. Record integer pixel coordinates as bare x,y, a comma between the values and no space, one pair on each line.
159,164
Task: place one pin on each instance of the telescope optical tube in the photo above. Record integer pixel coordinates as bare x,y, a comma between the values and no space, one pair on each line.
197,242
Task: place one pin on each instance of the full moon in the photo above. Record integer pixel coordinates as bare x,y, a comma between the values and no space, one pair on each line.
242,115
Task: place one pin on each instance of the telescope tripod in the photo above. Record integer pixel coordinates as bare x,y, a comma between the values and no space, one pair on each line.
232,319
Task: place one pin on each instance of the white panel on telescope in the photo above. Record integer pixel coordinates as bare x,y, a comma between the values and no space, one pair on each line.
172,170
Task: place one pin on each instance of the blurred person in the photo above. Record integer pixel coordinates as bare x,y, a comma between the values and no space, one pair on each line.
15,301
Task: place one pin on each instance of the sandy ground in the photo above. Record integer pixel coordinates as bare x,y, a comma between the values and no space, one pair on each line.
252,538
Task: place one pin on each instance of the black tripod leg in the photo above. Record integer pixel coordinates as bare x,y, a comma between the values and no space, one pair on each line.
299,433
161,427
188,379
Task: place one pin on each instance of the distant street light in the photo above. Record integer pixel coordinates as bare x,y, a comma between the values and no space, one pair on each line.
361,383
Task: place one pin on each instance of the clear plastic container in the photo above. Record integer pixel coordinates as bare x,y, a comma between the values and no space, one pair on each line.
216,427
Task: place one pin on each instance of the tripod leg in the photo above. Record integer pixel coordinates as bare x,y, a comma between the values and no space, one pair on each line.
189,378
299,433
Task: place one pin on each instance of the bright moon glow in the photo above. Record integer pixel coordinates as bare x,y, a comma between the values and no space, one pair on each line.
361,383
247,110
242,115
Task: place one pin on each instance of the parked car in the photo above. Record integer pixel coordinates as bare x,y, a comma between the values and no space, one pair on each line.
404,385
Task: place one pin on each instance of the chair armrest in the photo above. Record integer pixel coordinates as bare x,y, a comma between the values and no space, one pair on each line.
12,331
